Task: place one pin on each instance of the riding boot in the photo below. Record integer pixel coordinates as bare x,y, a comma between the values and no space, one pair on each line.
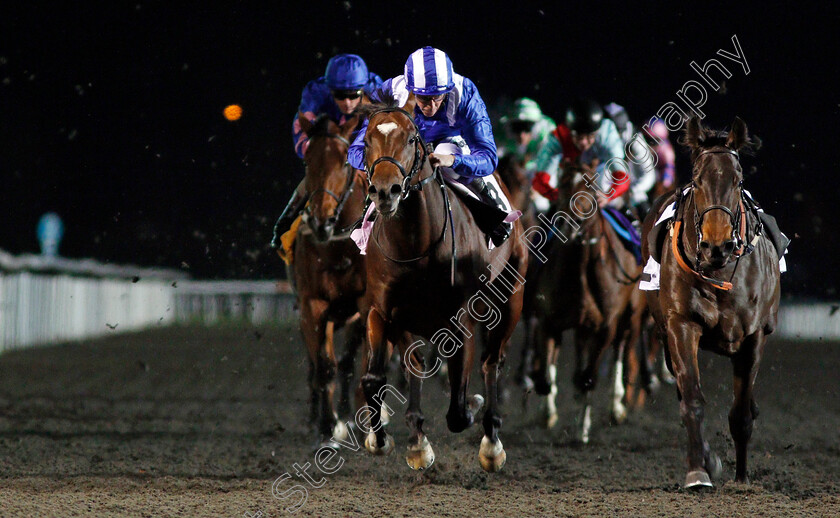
284,222
489,195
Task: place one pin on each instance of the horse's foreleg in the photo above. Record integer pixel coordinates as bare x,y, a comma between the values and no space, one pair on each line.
545,375
354,337
317,332
591,346
461,407
745,367
420,454
618,411
374,385
523,378
491,454
683,339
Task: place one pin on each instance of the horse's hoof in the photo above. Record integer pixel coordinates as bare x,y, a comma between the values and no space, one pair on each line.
420,456
714,466
370,445
491,456
527,384
618,415
327,443
551,420
585,425
340,432
698,479
654,384
475,403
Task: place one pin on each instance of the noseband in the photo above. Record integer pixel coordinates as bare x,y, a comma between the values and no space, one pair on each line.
421,152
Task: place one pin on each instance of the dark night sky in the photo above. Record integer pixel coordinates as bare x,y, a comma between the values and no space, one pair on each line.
111,114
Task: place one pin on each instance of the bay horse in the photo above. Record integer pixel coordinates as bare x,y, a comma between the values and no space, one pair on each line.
430,274
328,270
587,284
714,294
512,172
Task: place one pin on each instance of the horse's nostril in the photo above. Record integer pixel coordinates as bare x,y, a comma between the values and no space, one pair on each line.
705,245
371,190
729,246
396,189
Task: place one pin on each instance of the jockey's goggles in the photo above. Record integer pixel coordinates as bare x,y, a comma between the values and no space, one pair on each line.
347,94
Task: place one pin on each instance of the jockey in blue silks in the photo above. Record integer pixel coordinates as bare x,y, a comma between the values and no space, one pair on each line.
337,93
451,116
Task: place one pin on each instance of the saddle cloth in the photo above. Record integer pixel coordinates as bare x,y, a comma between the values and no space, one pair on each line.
625,230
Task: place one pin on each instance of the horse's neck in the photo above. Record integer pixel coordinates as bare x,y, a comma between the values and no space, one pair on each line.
689,230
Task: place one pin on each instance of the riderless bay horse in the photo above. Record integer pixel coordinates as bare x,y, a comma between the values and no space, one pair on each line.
328,270
587,284
429,273
714,294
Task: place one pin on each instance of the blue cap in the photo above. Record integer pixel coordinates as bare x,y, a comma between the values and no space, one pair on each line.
428,71
346,72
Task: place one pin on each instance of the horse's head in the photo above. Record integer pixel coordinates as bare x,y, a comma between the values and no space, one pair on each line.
328,176
576,200
716,179
393,155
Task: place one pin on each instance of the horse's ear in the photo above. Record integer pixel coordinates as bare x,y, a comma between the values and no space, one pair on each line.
346,129
410,104
695,133
738,135
305,123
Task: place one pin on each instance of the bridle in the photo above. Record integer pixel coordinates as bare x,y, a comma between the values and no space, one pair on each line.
737,220
349,186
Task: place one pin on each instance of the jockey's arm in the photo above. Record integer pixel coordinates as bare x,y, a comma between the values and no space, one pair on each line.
310,105
477,131
610,151
549,152
645,159
356,153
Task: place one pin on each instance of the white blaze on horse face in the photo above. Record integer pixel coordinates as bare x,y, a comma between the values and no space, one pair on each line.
577,179
386,127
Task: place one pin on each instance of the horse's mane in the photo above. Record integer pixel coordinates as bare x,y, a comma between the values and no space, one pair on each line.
366,110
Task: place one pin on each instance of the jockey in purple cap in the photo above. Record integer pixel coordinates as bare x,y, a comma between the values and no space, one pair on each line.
338,93
451,116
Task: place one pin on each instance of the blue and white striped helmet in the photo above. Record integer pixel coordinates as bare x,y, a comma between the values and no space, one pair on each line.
428,71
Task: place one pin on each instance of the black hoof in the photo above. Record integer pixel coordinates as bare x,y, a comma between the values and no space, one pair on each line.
458,423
